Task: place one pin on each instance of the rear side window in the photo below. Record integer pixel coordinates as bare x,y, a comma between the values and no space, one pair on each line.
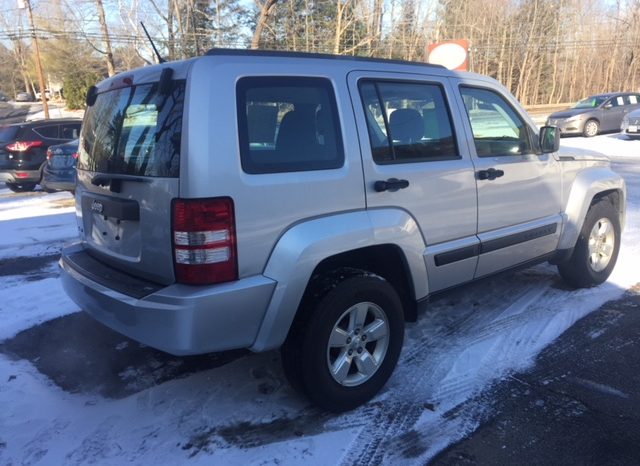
408,122
288,125
134,131
50,132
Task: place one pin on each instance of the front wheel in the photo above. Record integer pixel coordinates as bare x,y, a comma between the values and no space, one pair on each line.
349,345
596,250
591,128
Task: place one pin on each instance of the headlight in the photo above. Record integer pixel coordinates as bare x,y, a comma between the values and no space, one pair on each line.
573,118
625,120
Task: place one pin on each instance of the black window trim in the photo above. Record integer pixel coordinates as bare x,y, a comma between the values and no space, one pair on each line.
247,82
375,81
532,135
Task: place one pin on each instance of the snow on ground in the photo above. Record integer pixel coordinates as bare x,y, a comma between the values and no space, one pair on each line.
244,412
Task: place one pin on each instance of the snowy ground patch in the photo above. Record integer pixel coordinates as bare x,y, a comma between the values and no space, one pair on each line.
244,412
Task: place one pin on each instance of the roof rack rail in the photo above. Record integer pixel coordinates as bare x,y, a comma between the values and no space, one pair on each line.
326,56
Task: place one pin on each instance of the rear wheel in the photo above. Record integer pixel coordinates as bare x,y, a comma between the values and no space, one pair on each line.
20,188
591,128
596,250
349,344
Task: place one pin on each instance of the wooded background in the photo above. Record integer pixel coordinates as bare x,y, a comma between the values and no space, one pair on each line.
544,51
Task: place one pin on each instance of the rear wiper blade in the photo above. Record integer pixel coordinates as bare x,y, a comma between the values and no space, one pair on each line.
115,181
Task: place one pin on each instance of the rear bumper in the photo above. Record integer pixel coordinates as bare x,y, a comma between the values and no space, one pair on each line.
177,319
58,180
20,176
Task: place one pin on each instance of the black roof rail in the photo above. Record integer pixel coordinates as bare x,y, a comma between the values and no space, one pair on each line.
325,56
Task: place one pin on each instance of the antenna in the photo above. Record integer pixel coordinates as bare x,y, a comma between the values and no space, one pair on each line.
160,59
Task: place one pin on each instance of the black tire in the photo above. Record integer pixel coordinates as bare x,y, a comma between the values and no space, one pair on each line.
591,128
306,354
21,188
587,267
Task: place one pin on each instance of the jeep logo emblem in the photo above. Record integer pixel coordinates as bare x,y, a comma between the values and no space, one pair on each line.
97,206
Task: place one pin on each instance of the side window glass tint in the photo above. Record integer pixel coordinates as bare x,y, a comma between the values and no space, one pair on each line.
631,100
47,131
288,124
408,122
70,131
618,101
497,128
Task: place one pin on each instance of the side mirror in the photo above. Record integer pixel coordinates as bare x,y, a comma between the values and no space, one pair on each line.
549,139
607,106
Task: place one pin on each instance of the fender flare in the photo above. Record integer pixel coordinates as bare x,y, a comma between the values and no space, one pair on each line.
587,185
301,248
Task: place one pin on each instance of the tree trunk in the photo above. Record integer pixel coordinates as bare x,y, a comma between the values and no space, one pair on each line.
265,10
111,69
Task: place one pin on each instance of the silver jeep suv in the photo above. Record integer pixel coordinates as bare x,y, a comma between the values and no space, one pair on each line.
258,200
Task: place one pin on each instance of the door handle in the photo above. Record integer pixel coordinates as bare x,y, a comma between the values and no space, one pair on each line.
391,185
489,174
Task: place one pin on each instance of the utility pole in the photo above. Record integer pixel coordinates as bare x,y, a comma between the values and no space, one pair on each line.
43,96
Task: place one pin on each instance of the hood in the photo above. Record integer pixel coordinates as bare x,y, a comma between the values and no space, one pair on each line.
571,112
634,114
582,154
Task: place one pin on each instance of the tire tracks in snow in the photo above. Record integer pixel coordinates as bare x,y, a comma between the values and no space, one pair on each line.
438,373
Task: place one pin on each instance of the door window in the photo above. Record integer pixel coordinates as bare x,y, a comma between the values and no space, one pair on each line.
497,127
49,132
288,125
70,131
407,122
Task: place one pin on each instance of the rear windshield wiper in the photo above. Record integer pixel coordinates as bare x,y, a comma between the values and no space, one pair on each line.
115,181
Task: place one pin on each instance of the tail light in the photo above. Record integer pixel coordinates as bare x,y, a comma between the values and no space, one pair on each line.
23,146
75,155
204,241
21,175
49,154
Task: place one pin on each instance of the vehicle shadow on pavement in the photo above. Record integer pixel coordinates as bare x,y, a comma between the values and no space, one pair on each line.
82,356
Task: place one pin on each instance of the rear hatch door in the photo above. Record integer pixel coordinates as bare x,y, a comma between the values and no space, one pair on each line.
128,173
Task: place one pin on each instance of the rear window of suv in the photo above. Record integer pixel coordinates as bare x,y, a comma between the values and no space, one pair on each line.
7,133
288,124
134,131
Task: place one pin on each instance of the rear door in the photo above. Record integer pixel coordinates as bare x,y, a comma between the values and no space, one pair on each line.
613,111
414,160
128,174
519,191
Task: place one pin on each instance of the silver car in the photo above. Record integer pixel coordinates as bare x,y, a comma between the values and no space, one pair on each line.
596,114
631,125
262,200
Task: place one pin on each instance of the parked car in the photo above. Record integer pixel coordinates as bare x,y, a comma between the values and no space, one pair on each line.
59,173
23,149
24,97
310,202
47,94
631,125
3,97
596,114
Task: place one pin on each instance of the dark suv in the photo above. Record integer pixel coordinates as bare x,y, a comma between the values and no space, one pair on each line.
23,149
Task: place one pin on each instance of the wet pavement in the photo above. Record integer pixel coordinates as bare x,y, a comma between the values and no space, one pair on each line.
579,405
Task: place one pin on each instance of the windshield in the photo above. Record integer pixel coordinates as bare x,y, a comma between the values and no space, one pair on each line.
590,102
133,131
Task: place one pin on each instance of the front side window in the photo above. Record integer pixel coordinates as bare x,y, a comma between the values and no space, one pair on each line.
407,122
288,124
134,131
497,128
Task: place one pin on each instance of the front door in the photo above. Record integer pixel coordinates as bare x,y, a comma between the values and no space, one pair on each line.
519,190
415,161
